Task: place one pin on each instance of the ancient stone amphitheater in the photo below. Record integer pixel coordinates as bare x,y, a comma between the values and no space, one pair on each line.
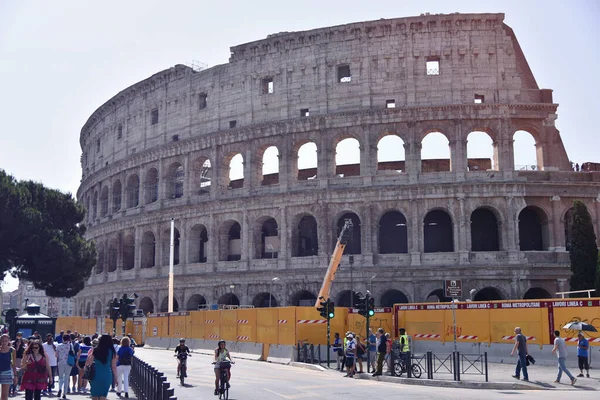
165,148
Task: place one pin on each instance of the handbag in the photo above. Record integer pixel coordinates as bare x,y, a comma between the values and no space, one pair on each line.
71,357
89,371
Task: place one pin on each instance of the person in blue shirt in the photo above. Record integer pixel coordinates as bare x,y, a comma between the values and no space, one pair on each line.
338,350
372,349
582,355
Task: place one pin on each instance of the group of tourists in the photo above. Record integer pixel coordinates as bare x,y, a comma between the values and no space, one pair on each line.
32,365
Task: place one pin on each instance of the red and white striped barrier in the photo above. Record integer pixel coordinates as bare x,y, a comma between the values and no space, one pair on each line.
573,339
209,321
595,340
213,336
427,336
468,337
243,338
282,321
242,321
312,321
513,337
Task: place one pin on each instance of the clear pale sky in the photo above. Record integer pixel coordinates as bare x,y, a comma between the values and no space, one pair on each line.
60,60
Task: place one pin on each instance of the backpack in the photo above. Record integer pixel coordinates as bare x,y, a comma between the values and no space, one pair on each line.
125,359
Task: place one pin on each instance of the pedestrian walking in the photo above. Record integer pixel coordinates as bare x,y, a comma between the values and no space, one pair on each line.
37,373
360,353
372,349
8,371
388,352
582,355
350,355
338,350
521,348
105,362
124,356
381,349
560,349
64,368
50,352
75,348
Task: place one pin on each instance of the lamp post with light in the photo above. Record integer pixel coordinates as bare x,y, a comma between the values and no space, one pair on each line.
270,289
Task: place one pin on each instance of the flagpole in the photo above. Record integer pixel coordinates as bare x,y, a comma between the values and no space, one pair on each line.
171,262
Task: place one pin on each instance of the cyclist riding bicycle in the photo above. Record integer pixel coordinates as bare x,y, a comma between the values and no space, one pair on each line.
221,354
182,348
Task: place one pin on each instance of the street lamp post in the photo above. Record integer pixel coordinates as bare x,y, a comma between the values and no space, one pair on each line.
371,282
231,287
270,290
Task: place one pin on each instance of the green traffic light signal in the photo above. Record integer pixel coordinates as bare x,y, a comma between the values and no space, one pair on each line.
371,313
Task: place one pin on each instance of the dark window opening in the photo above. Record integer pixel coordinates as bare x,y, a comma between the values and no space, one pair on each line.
98,146
234,242
346,298
391,297
484,231
263,300
197,244
202,101
196,302
306,237
229,299
148,250
438,295
390,103
304,112
530,230
488,294
232,124
175,138
433,66
267,85
268,243
344,74
154,116
537,293
303,298
354,244
119,131
479,99
393,238
438,233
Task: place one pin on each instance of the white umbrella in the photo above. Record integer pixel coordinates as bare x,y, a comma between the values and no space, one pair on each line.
580,326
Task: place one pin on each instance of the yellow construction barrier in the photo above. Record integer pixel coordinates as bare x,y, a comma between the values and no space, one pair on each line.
286,326
198,327
246,325
212,322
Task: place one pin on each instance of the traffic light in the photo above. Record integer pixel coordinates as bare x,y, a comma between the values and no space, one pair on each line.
330,309
323,309
370,306
127,306
361,304
114,309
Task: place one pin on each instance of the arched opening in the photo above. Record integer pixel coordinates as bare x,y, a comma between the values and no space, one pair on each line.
166,248
304,239
354,244
347,158
345,298
488,294
88,309
525,152
263,300
303,298
229,299
437,232
146,305
116,195
484,230
164,306
230,241
196,302
393,238
201,176
133,191
95,206
151,186
390,154
104,202
480,152
533,229
175,179
270,166
236,172
435,153
568,226
391,297
148,250
98,309
112,255
197,244
537,293
307,161
438,295
101,259
266,239
128,253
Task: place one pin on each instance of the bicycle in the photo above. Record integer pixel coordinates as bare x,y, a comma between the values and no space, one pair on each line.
224,378
182,357
400,368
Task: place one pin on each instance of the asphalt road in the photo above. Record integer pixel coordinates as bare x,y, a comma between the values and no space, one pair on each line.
253,380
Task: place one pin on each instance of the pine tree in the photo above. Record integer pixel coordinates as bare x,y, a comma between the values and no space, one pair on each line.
583,252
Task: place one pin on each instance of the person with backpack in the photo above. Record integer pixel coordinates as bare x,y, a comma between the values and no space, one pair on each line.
381,351
124,355
65,356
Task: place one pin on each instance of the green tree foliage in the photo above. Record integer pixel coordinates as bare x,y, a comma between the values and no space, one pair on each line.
583,252
41,238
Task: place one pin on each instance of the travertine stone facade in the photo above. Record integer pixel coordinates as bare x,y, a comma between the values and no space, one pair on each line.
145,155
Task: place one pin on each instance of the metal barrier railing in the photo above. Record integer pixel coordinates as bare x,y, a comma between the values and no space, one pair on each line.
148,383
453,363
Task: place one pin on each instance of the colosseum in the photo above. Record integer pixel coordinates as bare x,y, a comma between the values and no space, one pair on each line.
261,234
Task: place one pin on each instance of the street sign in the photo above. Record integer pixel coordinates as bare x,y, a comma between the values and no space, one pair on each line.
453,288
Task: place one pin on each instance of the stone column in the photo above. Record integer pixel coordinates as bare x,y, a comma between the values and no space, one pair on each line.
367,234
324,167
458,157
324,231
463,230
284,237
247,252
506,157
212,249
557,238
137,260
187,177
285,158
250,171
216,182
512,231
414,165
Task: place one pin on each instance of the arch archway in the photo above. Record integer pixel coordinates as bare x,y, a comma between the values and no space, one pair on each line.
533,229
480,152
345,298
347,157
98,309
133,191
104,202
88,309
438,295
390,154
164,306
166,246
229,299
266,238
435,153
393,236
391,297
438,235
175,180
112,255
128,252
230,241
147,305
148,250
488,294
264,299
236,171
303,298
196,302
307,161
117,196
524,151
484,230
354,244
537,293
305,237
197,242
151,186
270,166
